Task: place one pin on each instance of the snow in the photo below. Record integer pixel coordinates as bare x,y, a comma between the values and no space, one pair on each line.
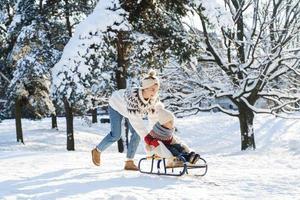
16,20
44,169
216,13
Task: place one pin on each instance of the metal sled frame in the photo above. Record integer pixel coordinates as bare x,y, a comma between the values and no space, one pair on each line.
164,169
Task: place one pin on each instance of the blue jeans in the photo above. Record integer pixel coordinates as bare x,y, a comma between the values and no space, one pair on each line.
115,134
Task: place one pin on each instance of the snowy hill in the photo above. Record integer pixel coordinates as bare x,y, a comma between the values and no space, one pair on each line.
43,169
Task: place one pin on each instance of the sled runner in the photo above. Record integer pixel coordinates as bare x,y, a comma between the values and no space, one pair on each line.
157,166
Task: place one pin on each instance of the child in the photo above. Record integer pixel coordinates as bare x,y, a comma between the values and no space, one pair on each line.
163,131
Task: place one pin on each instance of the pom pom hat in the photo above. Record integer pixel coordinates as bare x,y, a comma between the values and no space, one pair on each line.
150,79
164,115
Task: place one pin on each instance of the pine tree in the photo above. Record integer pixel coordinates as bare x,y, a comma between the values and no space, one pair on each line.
33,56
7,11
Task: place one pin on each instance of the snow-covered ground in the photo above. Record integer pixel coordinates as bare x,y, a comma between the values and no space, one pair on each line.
43,169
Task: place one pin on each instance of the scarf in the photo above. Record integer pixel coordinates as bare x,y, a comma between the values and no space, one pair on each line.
136,104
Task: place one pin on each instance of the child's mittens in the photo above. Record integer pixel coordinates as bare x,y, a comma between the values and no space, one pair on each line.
154,143
151,141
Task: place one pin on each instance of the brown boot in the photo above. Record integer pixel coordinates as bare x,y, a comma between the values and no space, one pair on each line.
129,165
96,157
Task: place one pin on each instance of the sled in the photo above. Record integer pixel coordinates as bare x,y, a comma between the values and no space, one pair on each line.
157,166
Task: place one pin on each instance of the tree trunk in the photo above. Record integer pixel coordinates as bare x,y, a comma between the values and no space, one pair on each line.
67,15
122,61
41,6
70,129
121,71
246,117
10,15
94,116
240,32
18,115
121,81
54,121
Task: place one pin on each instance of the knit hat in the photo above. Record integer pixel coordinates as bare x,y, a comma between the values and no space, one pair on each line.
164,115
150,79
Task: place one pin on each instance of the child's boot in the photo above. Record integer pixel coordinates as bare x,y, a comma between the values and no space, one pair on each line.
191,157
196,158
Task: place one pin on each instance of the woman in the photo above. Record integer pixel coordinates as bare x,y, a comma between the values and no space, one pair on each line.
131,104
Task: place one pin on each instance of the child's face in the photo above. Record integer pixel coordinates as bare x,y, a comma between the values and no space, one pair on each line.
169,124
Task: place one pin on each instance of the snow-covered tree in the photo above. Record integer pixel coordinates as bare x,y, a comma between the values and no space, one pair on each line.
33,56
7,11
246,58
59,18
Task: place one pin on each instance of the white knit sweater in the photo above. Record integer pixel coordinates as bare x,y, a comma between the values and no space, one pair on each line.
131,104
